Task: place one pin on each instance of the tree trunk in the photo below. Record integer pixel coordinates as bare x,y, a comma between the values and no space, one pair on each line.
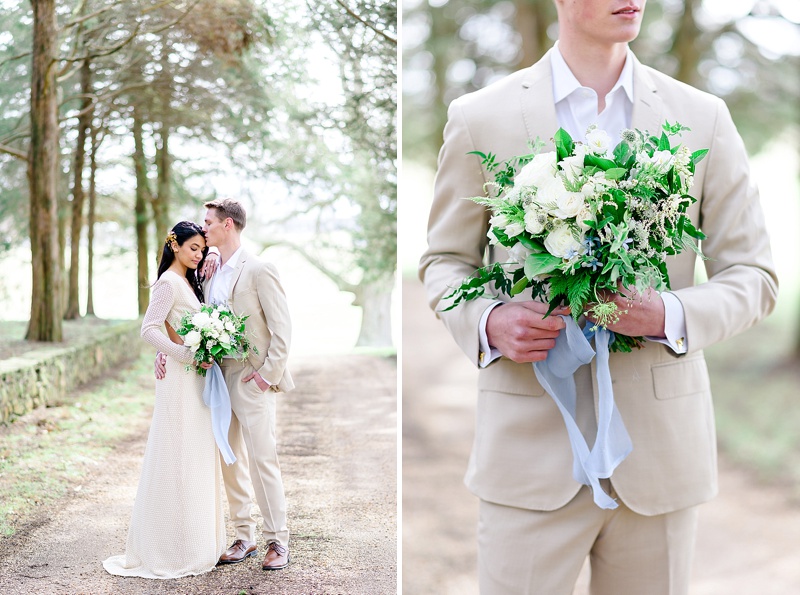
375,300
162,199
531,23
90,223
686,46
78,197
142,199
47,291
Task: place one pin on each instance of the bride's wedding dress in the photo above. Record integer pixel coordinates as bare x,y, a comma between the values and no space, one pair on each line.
177,527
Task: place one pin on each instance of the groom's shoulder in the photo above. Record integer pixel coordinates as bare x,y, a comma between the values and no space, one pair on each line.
678,93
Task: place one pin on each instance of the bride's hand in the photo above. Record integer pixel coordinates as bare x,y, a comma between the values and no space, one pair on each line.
206,365
210,265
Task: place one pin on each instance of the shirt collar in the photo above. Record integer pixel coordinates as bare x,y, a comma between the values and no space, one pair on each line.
233,261
564,82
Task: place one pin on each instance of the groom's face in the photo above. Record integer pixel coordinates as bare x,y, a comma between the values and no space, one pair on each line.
600,21
215,228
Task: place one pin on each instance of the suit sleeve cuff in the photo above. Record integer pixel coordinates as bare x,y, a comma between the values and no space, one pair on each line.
674,325
487,353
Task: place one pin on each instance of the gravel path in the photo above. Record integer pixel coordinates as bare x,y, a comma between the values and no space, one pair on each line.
748,537
338,445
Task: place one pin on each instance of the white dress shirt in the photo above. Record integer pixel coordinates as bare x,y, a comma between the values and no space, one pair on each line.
221,281
576,110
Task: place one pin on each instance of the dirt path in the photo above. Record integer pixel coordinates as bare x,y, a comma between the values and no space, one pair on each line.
749,536
337,441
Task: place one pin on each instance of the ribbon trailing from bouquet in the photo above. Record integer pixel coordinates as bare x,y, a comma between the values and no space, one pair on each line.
216,396
555,374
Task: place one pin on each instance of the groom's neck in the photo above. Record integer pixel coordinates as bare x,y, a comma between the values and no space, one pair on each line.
227,249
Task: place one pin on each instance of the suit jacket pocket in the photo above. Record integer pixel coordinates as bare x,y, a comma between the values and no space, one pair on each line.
682,378
506,376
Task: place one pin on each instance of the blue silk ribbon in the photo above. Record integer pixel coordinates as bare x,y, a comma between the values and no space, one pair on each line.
216,396
555,374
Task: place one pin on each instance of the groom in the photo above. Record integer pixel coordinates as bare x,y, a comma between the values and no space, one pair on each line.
251,287
537,525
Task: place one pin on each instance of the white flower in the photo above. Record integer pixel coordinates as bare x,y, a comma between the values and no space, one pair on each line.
661,161
500,221
588,188
519,253
200,319
561,242
215,314
538,171
572,167
192,340
514,229
598,141
534,221
561,202
229,326
584,215
225,339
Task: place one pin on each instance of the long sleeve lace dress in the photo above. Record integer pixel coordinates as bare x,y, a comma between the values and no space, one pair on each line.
177,527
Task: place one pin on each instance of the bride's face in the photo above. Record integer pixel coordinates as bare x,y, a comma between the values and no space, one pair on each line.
190,253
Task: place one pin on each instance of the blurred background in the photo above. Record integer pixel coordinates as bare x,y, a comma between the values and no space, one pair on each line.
748,53
143,110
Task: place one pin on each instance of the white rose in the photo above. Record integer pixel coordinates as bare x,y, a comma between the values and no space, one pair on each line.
560,202
598,141
215,314
225,339
584,215
229,326
519,253
538,171
560,242
534,221
192,340
200,319
662,160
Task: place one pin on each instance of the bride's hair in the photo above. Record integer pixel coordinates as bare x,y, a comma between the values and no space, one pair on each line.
183,231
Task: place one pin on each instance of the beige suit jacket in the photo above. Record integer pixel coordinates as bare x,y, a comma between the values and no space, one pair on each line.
256,291
521,455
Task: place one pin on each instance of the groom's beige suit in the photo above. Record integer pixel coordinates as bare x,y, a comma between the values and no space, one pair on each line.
521,455
256,291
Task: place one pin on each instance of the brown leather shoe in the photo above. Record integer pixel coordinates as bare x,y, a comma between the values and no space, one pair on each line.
277,557
240,550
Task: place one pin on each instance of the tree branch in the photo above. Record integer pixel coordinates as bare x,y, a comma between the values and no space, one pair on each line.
386,36
316,263
14,152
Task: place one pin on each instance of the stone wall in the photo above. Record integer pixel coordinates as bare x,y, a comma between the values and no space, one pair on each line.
48,374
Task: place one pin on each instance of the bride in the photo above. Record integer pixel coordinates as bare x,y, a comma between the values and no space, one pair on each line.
177,526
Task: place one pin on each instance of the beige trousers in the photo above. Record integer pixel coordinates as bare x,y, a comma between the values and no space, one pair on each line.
529,552
252,439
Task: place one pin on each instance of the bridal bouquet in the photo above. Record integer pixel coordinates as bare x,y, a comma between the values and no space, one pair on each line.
588,218
212,333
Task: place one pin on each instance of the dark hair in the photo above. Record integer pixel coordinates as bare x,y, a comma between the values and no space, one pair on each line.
183,231
229,207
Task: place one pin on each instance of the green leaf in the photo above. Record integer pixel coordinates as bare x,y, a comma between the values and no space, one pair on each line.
578,291
530,243
519,286
663,142
564,144
616,173
697,156
599,162
540,264
622,152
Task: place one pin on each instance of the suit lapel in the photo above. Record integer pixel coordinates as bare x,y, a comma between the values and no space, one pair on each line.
536,99
648,107
236,273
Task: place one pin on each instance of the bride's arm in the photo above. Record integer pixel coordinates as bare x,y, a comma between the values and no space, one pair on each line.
161,302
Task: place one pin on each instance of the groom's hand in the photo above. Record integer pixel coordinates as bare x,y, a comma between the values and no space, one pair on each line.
521,332
260,382
639,315
160,366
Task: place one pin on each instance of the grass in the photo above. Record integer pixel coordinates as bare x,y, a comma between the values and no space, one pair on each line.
51,451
